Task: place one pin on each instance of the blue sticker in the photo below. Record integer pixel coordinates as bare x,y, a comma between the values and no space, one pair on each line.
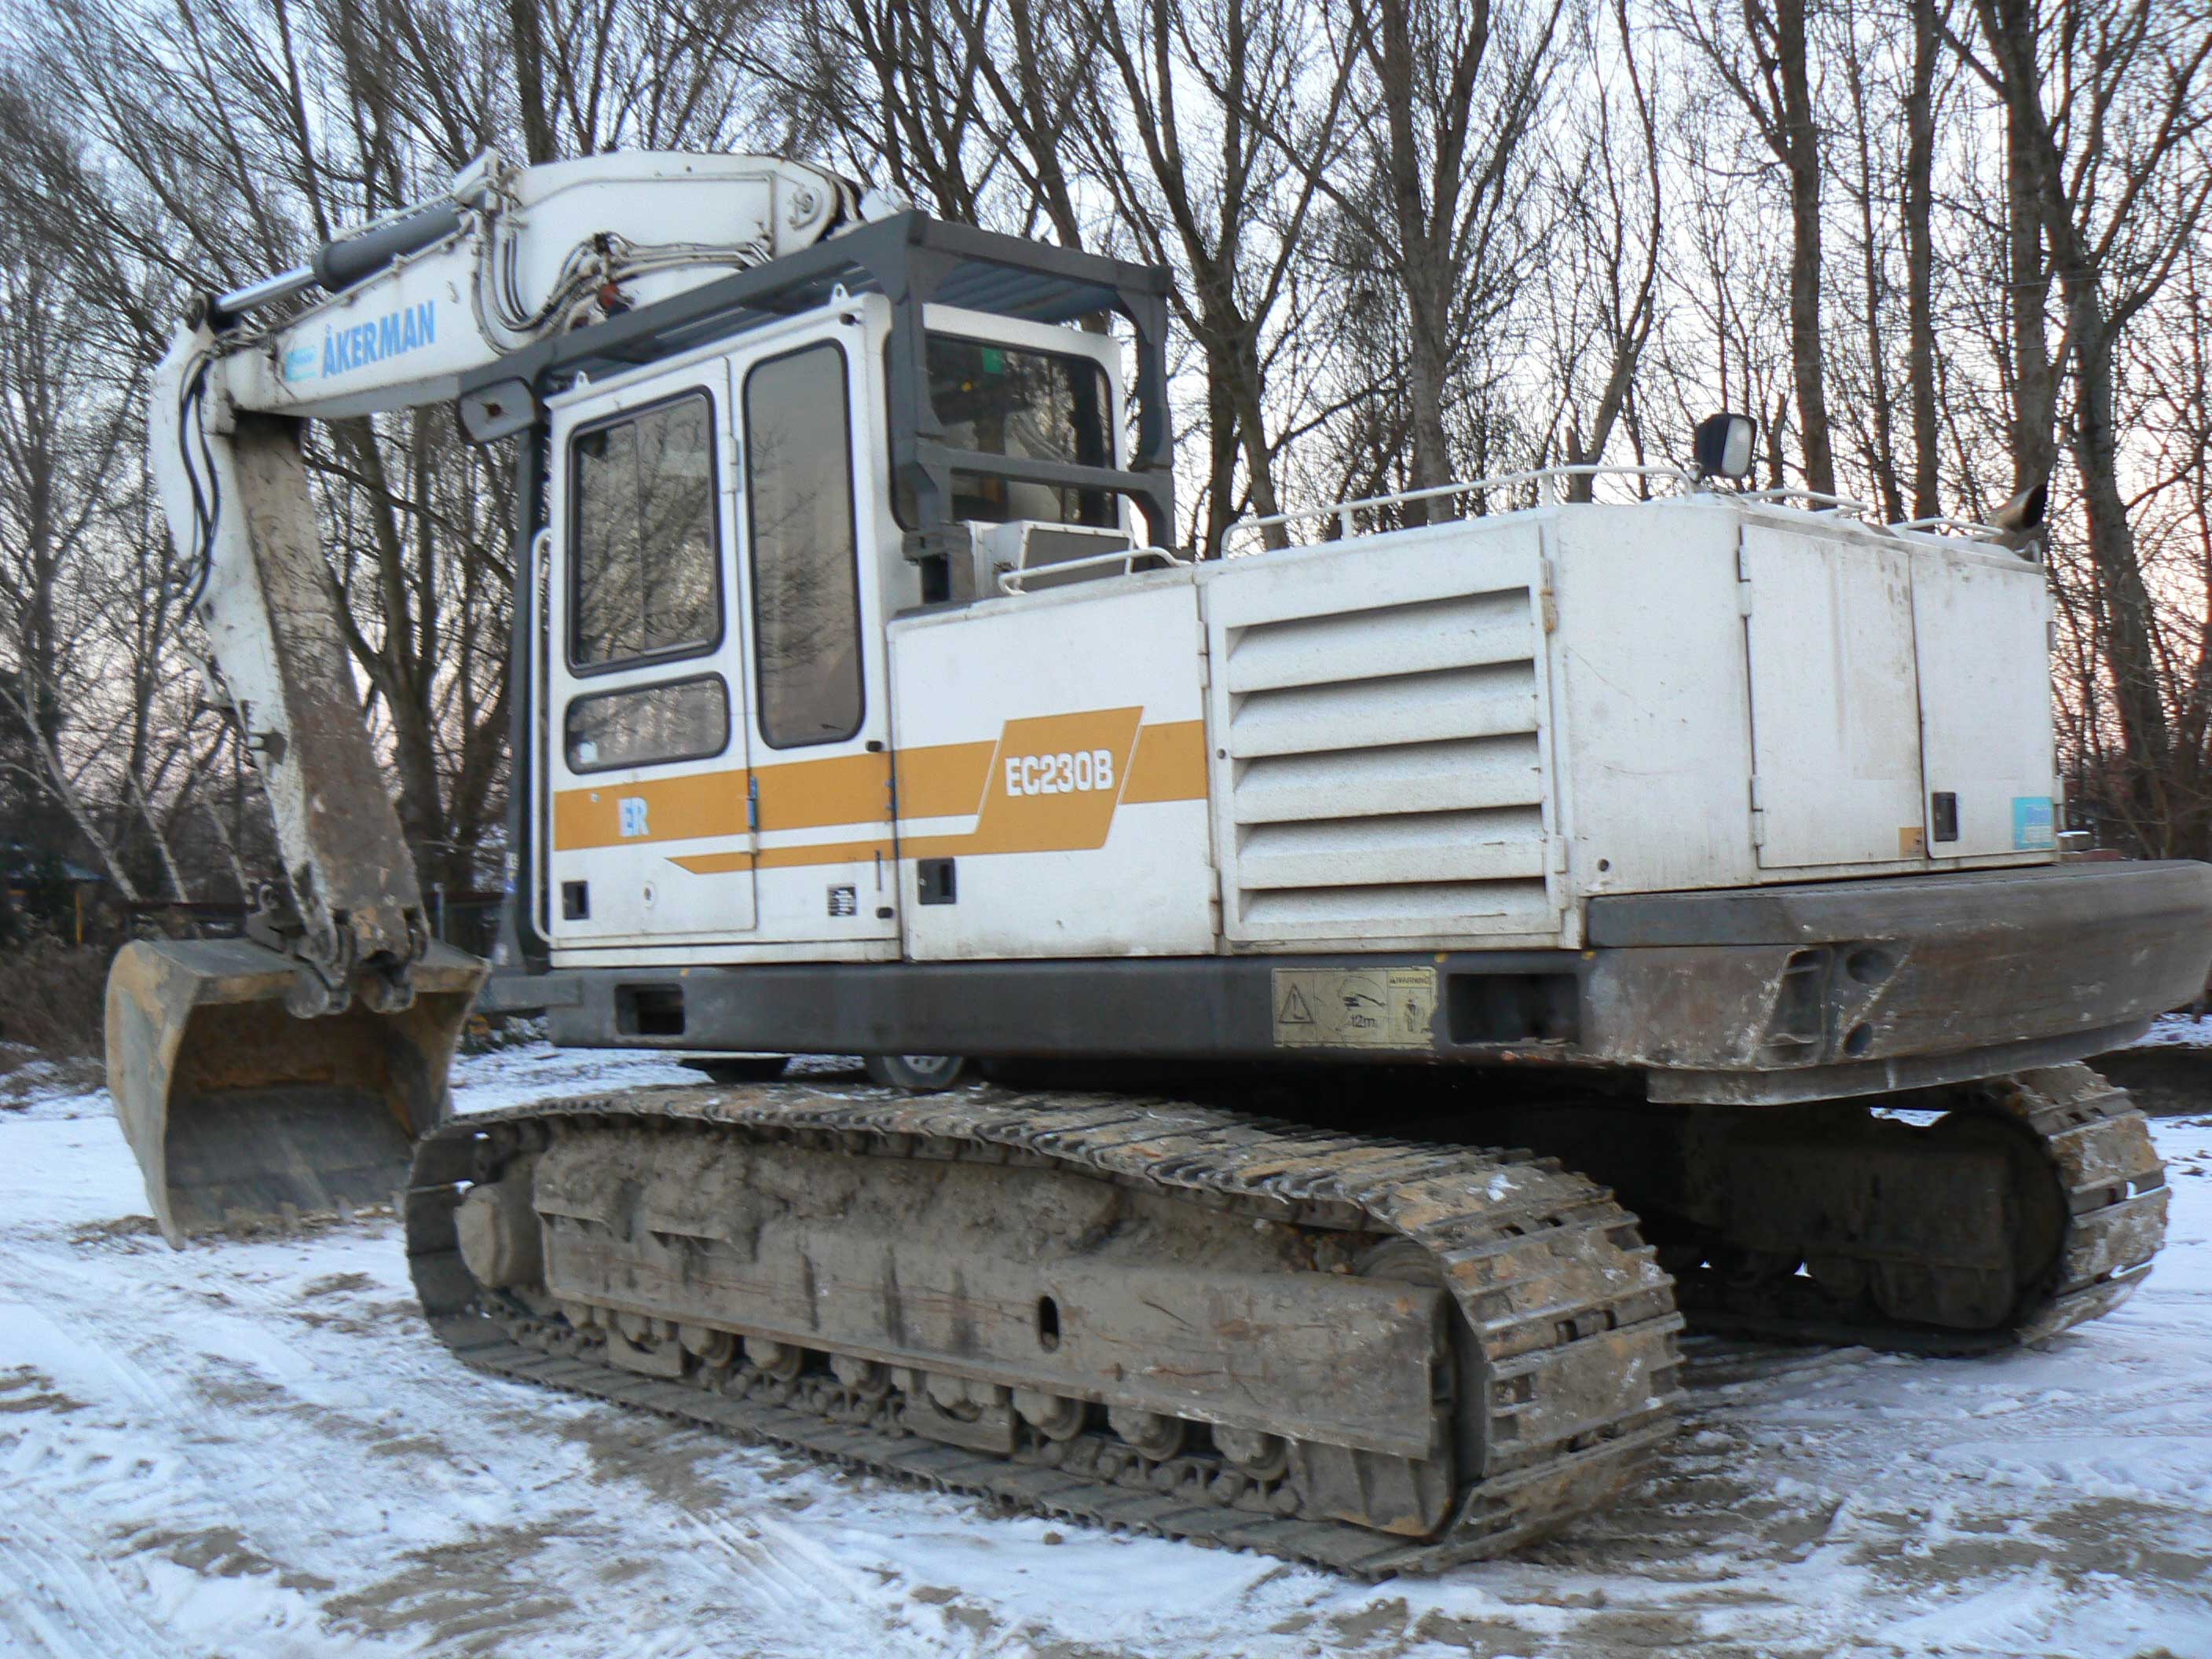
392,335
301,364
2030,824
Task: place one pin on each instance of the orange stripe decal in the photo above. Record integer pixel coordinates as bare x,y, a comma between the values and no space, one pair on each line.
813,794
677,808
1050,783
1169,763
944,781
1053,786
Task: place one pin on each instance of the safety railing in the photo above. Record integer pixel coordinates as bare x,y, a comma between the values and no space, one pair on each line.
1013,581
1819,500
1535,480
1344,516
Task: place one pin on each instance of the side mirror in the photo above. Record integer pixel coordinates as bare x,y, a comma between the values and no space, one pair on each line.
1724,446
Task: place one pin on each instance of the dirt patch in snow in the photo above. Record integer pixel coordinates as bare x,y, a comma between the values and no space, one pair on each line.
477,1594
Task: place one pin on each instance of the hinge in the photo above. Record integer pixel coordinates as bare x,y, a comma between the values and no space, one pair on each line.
1558,855
1547,602
1757,813
1743,596
1213,883
752,805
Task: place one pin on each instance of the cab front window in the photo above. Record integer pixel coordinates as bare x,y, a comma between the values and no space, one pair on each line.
1026,405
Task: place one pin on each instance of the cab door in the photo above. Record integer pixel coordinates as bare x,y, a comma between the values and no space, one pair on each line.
645,727
810,478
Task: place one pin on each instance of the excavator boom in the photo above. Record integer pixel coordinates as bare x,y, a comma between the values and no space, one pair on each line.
236,1116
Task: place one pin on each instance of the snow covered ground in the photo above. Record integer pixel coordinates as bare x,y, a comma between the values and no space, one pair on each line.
2178,1031
254,1449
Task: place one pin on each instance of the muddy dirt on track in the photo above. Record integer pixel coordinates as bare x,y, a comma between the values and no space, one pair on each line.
257,1449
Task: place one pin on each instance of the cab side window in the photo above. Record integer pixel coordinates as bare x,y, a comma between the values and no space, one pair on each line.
649,725
806,592
645,555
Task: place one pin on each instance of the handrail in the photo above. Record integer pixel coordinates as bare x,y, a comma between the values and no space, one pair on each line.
1828,501
1009,581
2030,548
1342,511
1974,527
1822,501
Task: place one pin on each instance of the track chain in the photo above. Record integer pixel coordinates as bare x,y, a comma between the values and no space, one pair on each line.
2100,1150
1567,1304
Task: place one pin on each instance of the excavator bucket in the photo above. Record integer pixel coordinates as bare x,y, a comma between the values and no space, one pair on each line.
240,1114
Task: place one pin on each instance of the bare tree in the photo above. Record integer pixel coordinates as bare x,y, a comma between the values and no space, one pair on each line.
1196,142
69,731
1449,96
1604,290
2103,111
893,89
1762,58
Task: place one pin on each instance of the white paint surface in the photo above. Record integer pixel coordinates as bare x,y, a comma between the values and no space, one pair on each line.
1835,716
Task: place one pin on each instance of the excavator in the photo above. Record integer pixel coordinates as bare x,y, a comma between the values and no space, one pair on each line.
1330,1012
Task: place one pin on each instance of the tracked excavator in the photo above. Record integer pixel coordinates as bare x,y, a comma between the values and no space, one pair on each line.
1618,910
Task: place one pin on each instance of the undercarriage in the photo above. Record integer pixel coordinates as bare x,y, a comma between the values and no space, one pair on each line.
1958,1220
1380,1351
1378,1356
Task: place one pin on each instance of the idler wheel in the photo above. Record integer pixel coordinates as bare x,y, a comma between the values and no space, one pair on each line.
1055,1416
1152,1435
1260,1455
780,1360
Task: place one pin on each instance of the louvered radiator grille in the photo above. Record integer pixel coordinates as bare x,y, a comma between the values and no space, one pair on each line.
1386,768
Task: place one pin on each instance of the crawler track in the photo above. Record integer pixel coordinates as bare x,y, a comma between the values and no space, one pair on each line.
1569,1323
2108,1194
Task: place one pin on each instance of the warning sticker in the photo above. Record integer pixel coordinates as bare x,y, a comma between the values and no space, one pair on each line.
1355,1008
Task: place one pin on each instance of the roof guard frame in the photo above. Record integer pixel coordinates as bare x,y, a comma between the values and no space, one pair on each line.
913,261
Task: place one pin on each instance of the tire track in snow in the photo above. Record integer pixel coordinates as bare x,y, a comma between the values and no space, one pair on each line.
59,1596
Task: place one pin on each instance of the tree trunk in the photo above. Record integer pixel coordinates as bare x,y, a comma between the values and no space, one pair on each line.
1426,365
2093,441
1882,462
530,95
2035,386
1920,259
1802,150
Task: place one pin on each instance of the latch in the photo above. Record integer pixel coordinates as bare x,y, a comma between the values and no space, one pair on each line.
935,882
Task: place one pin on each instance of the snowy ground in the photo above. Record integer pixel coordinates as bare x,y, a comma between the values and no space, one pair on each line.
251,1449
